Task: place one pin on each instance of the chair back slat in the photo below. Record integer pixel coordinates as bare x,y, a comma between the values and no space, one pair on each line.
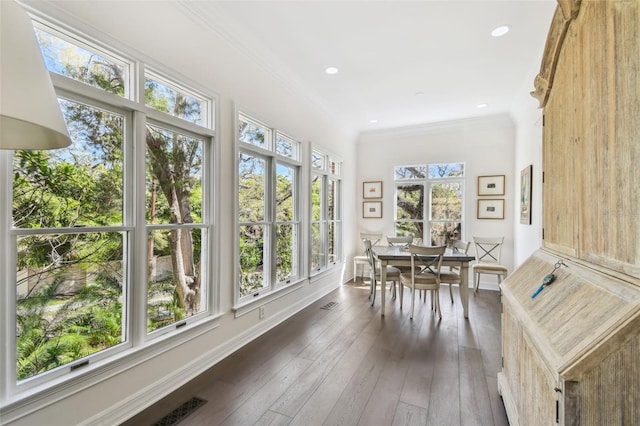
488,250
426,259
400,241
374,238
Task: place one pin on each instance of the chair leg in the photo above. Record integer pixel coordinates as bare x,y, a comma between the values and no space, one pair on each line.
436,295
401,294
451,292
413,300
373,289
476,281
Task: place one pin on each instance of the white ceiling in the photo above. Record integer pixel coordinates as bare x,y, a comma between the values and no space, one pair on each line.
388,51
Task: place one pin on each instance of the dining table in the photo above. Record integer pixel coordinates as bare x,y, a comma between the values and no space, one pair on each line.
400,256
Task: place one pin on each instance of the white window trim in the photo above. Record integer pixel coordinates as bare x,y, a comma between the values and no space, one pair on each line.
49,387
275,290
427,184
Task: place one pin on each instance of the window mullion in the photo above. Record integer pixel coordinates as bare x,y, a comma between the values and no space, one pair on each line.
137,308
7,275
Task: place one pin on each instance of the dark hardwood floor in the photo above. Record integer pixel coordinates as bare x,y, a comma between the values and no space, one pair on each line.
348,366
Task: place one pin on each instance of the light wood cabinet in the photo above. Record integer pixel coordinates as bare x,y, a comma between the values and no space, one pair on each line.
571,356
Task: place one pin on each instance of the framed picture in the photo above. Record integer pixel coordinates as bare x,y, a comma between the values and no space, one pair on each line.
372,189
525,195
490,209
372,209
491,185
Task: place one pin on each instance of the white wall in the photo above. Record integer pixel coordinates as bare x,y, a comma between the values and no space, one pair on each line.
528,151
213,64
485,145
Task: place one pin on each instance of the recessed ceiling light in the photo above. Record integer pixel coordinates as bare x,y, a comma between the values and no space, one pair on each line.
500,31
331,70
482,106
373,121
419,93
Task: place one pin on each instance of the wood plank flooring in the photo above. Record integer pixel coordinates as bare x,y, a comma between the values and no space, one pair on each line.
349,366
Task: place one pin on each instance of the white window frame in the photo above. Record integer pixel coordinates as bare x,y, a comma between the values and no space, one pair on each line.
272,287
328,169
427,184
138,344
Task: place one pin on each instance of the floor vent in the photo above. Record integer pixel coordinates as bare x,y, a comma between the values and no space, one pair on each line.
329,305
181,412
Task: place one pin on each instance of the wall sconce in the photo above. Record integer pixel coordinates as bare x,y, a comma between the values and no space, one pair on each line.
30,117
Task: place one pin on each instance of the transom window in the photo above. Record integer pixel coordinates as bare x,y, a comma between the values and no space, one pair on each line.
429,202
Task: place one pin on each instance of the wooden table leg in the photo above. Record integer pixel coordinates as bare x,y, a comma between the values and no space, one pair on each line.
464,288
383,285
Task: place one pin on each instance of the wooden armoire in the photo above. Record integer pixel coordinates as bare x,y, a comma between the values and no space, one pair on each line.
571,355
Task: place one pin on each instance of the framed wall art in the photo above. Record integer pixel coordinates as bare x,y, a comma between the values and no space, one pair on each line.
372,209
491,209
525,195
372,189
491,185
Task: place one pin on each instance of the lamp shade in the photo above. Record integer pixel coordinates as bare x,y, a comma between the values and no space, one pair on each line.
30,116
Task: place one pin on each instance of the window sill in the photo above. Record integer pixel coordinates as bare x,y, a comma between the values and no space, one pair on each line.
318,275
247,306
27,401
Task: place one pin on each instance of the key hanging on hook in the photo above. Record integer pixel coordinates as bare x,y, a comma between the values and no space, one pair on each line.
549,278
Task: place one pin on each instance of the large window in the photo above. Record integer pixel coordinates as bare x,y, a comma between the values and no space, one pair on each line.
107,241
429,202
268,208
326,216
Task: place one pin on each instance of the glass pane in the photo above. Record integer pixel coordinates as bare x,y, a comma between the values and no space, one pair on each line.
286,249
70,298
252,133
251,188
252,277
438,171
286,147
332,242
332,210
446,201
410,172
316,198
443,233
165,97
81,185
174,177
317,252
174,275
89,67
410,201
317,160
334,167
285,202
409,228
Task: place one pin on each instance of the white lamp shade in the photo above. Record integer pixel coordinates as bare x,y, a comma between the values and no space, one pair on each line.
30,116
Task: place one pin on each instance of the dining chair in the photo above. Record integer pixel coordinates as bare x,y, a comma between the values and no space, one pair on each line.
393,273
361,260
400,241
451,275
426,264
488,254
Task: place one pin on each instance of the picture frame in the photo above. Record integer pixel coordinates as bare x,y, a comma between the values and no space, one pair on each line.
490,208
525,195
372,209
372,189
491,185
